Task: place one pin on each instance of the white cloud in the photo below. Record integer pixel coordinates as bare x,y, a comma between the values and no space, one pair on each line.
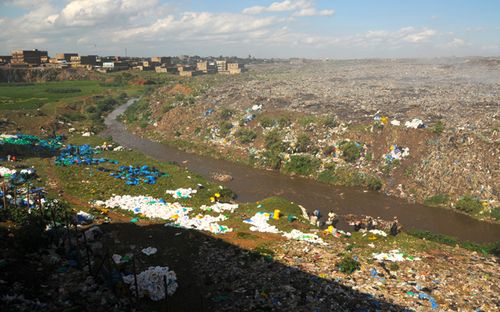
300,8
455,43
314,12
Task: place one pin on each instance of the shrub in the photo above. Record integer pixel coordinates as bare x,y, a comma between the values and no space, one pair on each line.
304,143
373,183
351,151
225,128
303,165
167,107
306,120
369,156
226,113
246,136
468,204
495,213
348,265
267,122
330,122
438,128
272,159
284,121
274,142
436,200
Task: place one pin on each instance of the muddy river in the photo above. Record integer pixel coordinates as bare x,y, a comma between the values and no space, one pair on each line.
252,184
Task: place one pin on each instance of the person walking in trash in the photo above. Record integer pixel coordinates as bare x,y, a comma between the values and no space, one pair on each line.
332,219
395,227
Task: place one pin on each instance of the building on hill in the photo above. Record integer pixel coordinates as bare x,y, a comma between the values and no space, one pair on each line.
235,68
161,60
65,56
29,57
206,67
5,59
221,66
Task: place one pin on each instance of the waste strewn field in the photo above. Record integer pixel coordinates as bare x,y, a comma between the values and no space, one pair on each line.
85,219
405,127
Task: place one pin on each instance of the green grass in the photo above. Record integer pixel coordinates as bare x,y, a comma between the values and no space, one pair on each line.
469,204
493,248
438,200
36,95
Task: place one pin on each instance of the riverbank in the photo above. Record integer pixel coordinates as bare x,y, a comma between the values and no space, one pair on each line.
421,162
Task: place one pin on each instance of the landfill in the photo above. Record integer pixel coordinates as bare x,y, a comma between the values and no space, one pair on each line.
151,282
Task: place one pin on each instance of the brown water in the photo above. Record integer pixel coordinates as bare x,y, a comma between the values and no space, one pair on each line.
252,184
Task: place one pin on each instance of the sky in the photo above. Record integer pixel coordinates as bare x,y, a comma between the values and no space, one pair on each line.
337,29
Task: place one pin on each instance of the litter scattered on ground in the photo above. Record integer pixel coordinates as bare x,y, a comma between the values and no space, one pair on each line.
118,259
134,175
149,251
181,193
202,223
396,153
151,282
220,207
83,217
308,237
80,155
393,256
6,172
51,144
378,232
415,123
259,223
147,206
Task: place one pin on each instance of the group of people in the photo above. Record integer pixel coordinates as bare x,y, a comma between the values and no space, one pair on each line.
315,218
368,224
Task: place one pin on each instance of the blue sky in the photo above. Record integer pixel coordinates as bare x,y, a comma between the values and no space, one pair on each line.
281,28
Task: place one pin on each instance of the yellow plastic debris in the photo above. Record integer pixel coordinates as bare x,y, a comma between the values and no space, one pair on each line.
276,215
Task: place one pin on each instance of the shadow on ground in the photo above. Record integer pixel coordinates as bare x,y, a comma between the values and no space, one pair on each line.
214,275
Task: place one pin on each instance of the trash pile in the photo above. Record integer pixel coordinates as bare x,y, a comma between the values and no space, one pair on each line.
149,251
415,123
202,223
134,175
308,237
151,282
80,155
259,223
52,144
220,207
6,172
181,193
396,153
393,256
147,206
